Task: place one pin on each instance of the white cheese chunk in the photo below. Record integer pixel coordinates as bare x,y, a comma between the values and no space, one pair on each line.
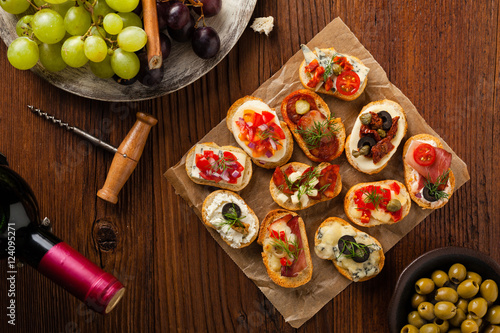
282,197
294,176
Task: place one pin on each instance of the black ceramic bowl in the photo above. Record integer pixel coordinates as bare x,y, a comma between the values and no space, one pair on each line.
423,266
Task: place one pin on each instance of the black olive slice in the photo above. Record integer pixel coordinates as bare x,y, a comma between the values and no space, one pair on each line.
366,141
428,196
362,253
386,120
230,209
345,245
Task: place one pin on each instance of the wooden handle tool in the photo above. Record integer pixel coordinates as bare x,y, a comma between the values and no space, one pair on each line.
126,155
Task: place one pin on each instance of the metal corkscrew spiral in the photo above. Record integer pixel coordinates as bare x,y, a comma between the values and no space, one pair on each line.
50,118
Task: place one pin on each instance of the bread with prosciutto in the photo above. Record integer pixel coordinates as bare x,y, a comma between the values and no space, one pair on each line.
319,134
285,252
428,175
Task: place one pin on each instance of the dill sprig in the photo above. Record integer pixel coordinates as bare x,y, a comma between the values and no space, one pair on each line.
222,163
232,219
292,250
312,136
356,250
269,133
433,188
372,196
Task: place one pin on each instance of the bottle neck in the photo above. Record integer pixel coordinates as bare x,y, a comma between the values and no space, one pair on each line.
33,243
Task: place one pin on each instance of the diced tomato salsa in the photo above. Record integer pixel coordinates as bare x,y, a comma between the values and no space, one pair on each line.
216,168
363,199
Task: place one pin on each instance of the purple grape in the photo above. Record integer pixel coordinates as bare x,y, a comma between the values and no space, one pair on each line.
205,42
177,15
184,34
146,76
162,9
210,7
165,45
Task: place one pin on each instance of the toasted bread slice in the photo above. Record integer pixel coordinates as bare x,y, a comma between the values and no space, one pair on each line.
326,247
279,197
378,216
412,176
365,164
246,174
272,254
330,52
238,228
328,153
235,112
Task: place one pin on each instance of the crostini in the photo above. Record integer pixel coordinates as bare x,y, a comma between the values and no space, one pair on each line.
296,186
226,167
376,135
356,255
286,252
428,176
329,72
372,204
318,133
259,132
234,220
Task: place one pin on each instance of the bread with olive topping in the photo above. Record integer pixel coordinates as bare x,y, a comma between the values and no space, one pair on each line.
350,262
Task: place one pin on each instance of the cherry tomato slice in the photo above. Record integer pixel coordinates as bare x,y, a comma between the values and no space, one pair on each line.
348,83
424,154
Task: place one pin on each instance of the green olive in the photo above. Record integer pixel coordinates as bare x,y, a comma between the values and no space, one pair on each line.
336,69
426,311
493,315
468,288
366,118
393,205
477,307
302,106
457,273
445,310
469,326
365,150
424,286
440,278
429,328
457,320
444,325
489,291
474,276
492,329
409,329
415,319
382,133
462,304
416,299
446,294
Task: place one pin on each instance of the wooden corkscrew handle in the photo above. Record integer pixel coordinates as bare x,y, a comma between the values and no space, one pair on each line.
126,158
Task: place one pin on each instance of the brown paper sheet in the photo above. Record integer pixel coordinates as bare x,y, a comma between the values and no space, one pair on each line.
300,304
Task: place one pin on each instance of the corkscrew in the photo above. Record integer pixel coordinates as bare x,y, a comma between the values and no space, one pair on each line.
126,155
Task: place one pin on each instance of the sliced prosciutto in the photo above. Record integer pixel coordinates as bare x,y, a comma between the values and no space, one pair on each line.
299,263
435,170
329,143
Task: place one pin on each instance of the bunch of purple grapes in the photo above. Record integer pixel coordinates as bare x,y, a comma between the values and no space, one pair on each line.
176,18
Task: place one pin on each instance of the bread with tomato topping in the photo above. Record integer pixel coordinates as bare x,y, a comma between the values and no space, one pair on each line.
286,253
320,135
194,174
325,58
440,168
378,144
270,150
355,254
320,189
367,204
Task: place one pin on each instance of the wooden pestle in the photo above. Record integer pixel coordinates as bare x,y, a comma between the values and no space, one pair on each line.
126,158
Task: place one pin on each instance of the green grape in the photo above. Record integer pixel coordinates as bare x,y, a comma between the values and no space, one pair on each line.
95,48
56,2
48,26
132,39
130,19
102,69
123,6
101,9
112,23
98,31
51,58
63,8
23,53
73,53
77,21
125,64
39,3
14,6
23,26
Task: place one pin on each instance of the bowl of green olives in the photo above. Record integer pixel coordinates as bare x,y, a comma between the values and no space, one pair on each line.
451,289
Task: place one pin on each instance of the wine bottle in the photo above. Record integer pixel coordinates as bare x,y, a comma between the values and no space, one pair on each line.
22,235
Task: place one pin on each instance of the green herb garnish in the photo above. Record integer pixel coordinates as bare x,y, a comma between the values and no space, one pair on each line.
433,188
312,136
232,219
356,250
372,196
221,164
292,250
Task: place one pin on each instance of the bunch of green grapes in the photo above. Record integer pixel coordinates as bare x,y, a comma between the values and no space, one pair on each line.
104,33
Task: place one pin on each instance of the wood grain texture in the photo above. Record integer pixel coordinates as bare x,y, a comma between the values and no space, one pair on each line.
443,55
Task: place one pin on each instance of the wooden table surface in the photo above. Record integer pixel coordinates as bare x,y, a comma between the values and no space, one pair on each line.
443,55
